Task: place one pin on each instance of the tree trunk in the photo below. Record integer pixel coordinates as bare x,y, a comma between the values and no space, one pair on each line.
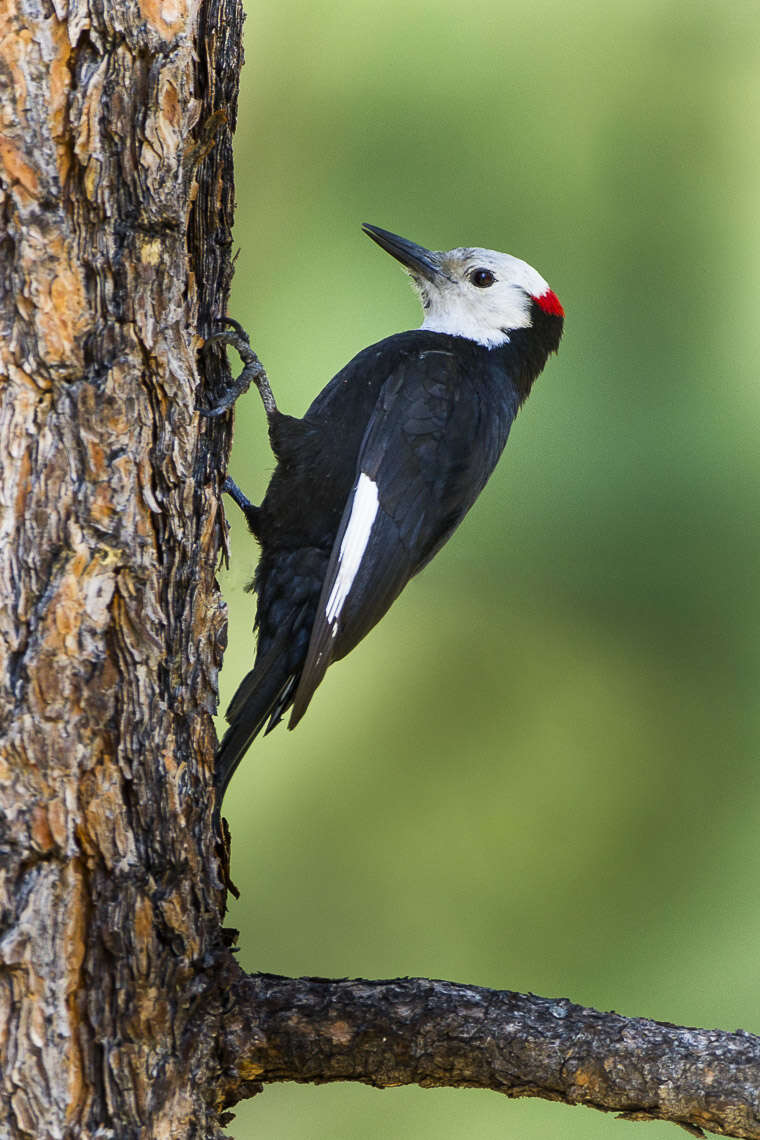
122,1010
116,195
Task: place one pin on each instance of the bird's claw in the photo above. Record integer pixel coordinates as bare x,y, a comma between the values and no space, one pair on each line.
253,370
230,487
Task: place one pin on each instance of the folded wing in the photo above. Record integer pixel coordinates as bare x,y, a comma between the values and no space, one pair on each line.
430,446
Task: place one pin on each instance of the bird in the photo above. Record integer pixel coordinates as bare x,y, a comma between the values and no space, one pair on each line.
376,476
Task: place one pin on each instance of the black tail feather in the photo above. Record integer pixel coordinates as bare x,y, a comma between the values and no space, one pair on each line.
258,698
263,697
264,694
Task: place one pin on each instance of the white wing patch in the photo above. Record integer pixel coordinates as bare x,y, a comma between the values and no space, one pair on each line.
363,511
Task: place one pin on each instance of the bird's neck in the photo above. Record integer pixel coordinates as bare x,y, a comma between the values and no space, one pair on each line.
524,355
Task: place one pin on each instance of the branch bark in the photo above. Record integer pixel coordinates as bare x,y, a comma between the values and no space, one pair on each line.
436,1034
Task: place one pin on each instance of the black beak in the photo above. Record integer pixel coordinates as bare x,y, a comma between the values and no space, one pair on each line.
418,260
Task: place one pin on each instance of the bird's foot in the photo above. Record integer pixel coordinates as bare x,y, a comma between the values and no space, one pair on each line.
253,371
242,500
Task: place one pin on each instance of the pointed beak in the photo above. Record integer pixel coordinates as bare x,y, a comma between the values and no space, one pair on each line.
419,261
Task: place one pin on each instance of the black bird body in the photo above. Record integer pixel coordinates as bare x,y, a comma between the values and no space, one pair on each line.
369,485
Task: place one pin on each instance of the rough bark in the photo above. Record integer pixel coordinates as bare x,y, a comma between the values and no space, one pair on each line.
115,219
435,1034
122,1010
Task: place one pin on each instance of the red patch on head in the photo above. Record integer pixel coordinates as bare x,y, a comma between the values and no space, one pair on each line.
549,302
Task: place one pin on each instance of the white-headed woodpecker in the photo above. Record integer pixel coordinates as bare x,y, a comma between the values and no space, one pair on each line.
381,470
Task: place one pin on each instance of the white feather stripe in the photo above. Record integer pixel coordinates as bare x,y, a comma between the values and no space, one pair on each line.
363,512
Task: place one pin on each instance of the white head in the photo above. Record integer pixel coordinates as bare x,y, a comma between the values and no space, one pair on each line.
474,293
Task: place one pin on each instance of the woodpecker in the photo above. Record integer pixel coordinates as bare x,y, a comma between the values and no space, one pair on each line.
382,468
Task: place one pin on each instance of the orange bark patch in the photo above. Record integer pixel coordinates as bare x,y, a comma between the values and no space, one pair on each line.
73,955
106,831
57,820
143,919
175,912
40,829
14,43
341,1033
590,1080
167,17
170,105
144,948
249,1071
62,315
60,79
59,88
19,173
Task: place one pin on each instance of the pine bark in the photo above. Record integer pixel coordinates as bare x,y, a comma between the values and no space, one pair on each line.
440,1034
115,213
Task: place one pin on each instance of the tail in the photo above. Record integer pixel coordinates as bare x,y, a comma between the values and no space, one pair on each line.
264,694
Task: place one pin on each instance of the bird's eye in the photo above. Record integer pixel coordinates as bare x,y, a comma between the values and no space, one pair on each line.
482,278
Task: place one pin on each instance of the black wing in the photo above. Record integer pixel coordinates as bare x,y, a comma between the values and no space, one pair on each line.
431,443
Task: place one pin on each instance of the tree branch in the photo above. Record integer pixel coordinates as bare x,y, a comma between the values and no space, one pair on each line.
435,1034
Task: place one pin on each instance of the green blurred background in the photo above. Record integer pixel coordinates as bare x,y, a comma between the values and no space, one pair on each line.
540,772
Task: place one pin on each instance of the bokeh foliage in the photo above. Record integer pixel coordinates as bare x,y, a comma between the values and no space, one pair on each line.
541,771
